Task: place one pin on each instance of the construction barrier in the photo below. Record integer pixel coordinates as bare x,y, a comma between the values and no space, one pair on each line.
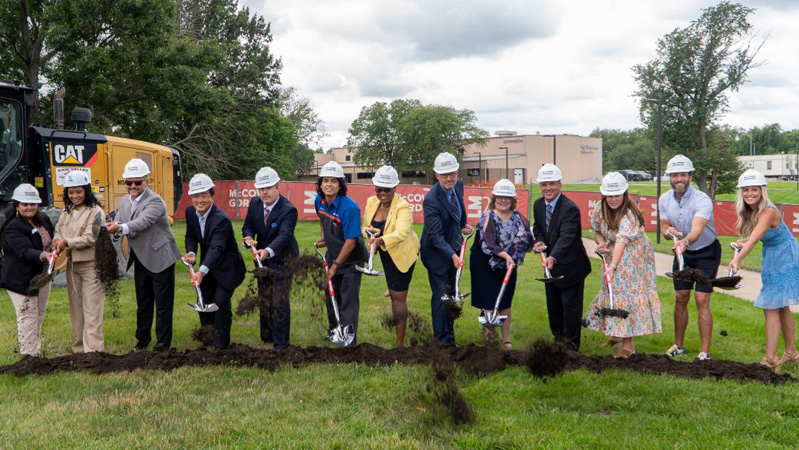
234,198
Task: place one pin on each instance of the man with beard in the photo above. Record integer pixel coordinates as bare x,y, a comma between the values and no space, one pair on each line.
686,216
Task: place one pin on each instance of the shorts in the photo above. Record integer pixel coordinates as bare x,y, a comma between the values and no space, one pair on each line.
705,259
396,280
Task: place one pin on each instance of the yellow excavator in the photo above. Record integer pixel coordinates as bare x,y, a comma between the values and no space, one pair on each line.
43,156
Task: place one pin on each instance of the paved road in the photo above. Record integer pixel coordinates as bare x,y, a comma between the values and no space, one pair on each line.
663,262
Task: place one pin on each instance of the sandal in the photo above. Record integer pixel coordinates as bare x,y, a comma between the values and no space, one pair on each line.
623,353
771,363
612,342
786,357
508,345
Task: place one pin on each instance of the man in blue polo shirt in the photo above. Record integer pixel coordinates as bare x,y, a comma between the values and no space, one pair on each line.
340,219
686,216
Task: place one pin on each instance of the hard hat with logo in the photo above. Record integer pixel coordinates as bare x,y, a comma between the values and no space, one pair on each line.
613,183
76,178
26,193
200,183
678,164
549,172
136,168
751,178
504,188
331,169
386,177
266,177
445,163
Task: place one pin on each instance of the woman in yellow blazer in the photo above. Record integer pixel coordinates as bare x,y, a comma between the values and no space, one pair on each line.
390,216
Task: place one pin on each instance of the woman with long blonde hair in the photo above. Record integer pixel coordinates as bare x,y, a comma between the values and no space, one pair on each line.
760,220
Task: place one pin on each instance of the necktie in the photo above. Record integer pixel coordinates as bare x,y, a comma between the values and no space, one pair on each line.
455,206
266,214
549,215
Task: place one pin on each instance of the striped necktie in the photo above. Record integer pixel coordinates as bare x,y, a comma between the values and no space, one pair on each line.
549,214
266,214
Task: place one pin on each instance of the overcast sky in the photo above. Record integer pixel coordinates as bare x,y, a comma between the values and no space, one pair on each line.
530,65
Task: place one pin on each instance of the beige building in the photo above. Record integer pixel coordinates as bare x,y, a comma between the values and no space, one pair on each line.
512,156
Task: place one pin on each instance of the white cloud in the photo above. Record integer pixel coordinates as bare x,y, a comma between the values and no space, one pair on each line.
547,66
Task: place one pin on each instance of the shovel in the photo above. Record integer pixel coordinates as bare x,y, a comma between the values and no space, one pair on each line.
41,280
199,306
493,318
368,270
340,335
610,312
457,296
548,278
254,255
731,281
680,259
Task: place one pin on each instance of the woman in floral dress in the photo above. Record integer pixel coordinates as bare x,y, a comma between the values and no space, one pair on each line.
619,233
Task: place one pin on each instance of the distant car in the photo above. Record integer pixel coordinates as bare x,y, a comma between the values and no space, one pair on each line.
644,175
631,175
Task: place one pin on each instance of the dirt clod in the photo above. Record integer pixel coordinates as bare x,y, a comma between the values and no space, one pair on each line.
615,312
205,335
446,393
547,359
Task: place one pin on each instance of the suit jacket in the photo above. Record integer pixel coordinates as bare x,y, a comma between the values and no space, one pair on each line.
399,239
277,233
220,252
563,240
150,237
442,228
22,250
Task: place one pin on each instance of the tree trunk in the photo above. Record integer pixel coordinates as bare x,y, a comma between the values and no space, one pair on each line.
713,184
701,181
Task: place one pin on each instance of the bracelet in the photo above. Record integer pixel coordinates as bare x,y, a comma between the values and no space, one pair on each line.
612,266
334,263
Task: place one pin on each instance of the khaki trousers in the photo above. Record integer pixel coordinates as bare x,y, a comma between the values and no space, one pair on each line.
30,315
86,297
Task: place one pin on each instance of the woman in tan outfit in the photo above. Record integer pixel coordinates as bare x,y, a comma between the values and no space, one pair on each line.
76,232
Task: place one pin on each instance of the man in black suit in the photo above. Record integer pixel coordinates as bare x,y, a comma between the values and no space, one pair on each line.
557,233
444,221
269,225
221,265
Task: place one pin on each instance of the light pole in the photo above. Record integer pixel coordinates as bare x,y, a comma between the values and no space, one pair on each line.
506,162
659,151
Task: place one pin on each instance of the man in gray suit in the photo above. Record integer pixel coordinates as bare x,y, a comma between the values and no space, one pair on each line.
142,217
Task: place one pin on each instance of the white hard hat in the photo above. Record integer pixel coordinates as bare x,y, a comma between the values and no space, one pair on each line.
613,183
266,177
751,178
200,183
504,188
26,193
331,169
386,177
136,168
76,178
679,164
445,163
549,172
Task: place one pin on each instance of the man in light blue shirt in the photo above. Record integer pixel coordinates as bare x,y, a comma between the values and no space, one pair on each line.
686,217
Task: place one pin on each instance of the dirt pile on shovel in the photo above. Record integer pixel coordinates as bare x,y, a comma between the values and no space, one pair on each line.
691,274
107,269
542,358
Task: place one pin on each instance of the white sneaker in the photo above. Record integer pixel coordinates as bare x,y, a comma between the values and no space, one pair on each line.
703,356
675,351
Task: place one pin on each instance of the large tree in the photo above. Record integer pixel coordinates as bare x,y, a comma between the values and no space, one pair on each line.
406,134
694,69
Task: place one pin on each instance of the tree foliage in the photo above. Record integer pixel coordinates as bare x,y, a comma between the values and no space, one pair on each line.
406,134
694,69
194,74
627,149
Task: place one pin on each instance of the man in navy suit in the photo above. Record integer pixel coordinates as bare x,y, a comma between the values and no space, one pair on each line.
557,233
221,265
269,225
444,222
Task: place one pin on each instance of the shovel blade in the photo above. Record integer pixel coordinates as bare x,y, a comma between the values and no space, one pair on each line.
549,280
366,271
41,280
342,336
489,320
211,307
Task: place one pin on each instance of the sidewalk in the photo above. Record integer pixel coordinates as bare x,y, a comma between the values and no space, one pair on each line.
751,280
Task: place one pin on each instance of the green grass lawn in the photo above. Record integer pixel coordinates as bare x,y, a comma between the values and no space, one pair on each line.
778,191
355,406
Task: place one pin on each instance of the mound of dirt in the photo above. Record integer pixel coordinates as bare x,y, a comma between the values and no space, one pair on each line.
544,359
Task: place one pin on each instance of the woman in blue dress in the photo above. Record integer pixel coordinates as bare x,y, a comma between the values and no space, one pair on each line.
760,220
503,237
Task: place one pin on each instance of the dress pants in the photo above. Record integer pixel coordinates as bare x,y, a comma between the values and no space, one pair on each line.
276,321
153,290
347,287
30,315
86,297
565,309
443,322
222,318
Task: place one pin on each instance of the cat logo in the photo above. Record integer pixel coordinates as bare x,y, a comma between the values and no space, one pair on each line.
74,154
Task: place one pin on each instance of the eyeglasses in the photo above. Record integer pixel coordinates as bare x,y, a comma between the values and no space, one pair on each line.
134,183
382,190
